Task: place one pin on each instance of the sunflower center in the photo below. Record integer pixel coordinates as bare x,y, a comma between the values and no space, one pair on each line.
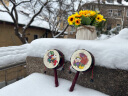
98,18
71,19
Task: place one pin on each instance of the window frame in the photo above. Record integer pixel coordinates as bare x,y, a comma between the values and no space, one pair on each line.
110,12
127,13
36,35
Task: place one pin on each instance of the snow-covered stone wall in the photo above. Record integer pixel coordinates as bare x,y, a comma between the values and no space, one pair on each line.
111,53
12,55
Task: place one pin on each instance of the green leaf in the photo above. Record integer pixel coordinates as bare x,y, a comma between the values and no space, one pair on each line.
85,20
93,22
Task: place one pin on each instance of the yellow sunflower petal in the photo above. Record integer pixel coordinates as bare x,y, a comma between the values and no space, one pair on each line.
77,15
92,13
77,21
71,19
81,12
99,17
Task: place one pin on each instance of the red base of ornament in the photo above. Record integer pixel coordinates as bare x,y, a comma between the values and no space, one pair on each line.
74,81
56,78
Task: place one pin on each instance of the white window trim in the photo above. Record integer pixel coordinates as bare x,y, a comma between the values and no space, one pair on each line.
127,13
110,12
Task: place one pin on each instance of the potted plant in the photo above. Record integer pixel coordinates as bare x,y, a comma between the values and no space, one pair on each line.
86,21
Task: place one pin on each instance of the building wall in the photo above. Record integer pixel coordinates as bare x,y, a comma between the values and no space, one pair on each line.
6,2
8,38
115,19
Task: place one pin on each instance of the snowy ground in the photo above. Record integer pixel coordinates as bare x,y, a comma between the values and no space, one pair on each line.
111,53
12,55
43,85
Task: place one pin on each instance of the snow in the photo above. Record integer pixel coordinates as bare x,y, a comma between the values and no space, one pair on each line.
39,22
124,2
110,53
43,85
124,33
22,18
103,37
12,55
114,3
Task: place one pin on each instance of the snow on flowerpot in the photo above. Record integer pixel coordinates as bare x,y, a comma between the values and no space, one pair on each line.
86,33
85,21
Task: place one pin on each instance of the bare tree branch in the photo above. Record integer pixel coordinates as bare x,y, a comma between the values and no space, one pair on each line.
3,11
25,28
5,6
14,15
62,31
79,6
13,2
23,2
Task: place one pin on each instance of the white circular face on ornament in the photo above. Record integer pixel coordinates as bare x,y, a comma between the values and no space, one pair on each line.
81,60
51,59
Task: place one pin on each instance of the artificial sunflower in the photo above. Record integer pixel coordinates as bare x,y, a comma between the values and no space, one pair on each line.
77,15
77,21
85,17
86,13
104,19
99,18
71,19
81,12
92,13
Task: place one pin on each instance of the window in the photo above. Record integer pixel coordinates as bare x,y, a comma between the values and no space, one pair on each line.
119,12
26,38
120,1
109,27
97,9
110,1
35,37
127,13
118,24
88,7
110,12
115,14
45,35
118,27
91,7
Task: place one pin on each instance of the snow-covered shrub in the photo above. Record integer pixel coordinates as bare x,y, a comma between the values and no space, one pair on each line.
114,31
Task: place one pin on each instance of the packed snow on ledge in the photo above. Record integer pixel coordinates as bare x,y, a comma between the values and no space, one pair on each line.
111,53
12,55
43,85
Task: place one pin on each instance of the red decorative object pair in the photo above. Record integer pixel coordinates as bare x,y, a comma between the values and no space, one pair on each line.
81,61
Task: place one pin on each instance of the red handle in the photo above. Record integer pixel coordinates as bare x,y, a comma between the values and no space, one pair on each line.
56,78
74,82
